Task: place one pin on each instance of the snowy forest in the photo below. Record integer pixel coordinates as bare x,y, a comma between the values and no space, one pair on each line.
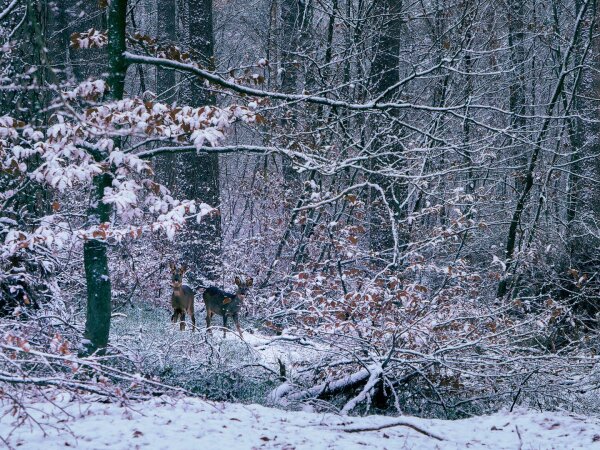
368,209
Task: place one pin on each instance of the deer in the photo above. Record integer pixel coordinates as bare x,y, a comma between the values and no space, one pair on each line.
225,304
182,298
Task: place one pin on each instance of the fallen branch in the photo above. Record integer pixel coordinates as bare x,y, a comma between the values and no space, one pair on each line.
376,372
393,424
287,392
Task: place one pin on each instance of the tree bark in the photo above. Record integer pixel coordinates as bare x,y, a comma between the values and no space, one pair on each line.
95,259
384,75
295,20
517,101
97,326
197,176
166,25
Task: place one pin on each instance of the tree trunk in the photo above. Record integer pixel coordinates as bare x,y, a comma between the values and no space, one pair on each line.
295,20
504,286
167,27
295,25
197,176
384,75
97,326
517,100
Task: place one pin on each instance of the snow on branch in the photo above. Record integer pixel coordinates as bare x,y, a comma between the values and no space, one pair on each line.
79,144
8,9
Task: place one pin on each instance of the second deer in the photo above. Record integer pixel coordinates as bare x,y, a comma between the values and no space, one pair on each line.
182,298
226,305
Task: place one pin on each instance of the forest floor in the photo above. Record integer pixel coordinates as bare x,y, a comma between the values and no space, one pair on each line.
191,423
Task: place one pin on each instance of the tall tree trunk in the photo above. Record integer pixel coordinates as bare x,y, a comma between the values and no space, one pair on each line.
583,195
580,133
295,21
295,25
505,284
197,176
95,259
384,75
164,165
97,326
58,38
166,25
517,100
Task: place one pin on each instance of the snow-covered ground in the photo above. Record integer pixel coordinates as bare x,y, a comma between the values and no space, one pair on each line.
190,423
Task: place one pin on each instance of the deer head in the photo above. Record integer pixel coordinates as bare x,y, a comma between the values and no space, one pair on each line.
177,274
242,287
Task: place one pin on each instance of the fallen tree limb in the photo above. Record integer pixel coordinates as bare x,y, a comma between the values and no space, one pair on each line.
288,392
376,373
393,424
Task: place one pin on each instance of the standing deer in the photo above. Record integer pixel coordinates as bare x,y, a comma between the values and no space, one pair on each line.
182,298
224,304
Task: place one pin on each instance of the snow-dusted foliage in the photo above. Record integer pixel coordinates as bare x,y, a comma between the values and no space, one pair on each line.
412,186
77,146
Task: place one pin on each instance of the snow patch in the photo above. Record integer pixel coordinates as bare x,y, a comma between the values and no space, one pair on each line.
190,423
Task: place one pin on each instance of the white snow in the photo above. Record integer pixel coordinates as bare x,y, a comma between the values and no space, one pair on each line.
191,423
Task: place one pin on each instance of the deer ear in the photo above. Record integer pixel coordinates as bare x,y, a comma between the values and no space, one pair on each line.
238,281
184,269
172,266
249,282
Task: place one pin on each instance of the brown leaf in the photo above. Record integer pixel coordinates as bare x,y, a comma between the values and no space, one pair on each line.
75,40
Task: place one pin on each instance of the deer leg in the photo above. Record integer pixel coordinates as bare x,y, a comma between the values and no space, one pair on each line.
174,316
237,325
208,316
182,320
193,316
224,325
